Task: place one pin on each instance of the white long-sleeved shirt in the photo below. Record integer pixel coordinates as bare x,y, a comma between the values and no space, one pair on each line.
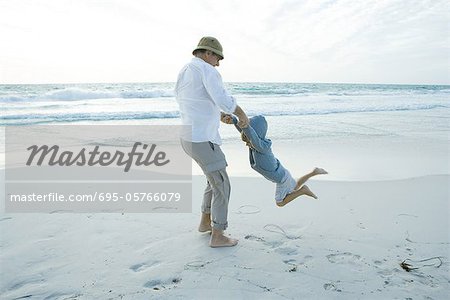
201,96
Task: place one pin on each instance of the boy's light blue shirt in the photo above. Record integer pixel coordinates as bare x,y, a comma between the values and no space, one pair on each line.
261,157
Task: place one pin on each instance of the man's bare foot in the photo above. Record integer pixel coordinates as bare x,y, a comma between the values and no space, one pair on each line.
304,190
219,240
205,223
301,181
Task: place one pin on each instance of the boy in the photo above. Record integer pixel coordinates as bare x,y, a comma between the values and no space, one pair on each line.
264,162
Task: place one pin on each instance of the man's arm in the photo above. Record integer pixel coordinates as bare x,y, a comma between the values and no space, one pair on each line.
214,86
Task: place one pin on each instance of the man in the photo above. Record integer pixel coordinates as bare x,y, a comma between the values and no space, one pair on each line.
201,98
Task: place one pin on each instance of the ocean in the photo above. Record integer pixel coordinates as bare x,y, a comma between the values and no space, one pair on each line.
146,103
326,122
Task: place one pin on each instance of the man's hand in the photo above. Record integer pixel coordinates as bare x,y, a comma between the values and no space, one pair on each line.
243,119
226,118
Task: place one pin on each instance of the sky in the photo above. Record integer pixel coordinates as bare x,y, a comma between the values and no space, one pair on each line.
343,41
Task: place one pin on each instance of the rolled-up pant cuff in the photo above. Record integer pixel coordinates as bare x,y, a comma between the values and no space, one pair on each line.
219,226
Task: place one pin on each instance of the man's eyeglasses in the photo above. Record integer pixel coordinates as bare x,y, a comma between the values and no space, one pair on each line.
218,57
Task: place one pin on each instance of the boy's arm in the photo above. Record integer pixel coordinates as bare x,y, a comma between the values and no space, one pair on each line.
259,144
235,122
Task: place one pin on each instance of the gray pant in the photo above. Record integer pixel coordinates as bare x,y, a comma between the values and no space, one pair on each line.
216,197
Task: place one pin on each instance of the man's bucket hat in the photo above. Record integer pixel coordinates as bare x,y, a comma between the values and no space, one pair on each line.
210,43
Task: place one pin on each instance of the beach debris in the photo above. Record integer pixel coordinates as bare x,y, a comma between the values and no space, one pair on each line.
176,280
408,267
293,269
292,263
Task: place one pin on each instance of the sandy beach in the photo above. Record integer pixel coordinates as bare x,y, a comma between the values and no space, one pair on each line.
384,202
348,244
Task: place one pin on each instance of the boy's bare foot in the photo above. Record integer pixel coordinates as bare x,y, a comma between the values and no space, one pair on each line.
304,190
308,192
219,240
318,171
205,223
301,181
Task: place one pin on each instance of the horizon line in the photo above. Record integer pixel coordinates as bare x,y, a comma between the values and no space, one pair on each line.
226,82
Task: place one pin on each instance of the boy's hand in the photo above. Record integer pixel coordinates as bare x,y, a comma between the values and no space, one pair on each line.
226,118
243,122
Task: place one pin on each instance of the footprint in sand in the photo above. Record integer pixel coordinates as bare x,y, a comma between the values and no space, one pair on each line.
307,259
143,266
331,287
378,262
303,262
344,258
290,261
252,237
272,244
361,225
24,297
286,251
158,284
25,282
153,284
